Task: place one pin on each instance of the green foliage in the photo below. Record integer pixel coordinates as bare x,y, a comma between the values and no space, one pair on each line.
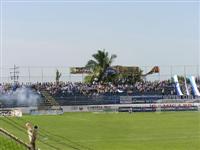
89,79
131,77
58,75
181,79
112,78
99,64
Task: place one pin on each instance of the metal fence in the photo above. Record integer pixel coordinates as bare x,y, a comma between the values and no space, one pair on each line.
34,74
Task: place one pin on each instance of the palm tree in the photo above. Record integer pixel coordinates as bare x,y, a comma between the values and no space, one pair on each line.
99,64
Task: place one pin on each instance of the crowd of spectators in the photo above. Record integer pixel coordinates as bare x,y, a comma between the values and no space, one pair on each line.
95,89
78,88
73,93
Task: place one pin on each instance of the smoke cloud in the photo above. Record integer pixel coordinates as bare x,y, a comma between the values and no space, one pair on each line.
22,96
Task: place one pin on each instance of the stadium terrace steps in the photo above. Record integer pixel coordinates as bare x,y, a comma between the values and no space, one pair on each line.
48,101
48,106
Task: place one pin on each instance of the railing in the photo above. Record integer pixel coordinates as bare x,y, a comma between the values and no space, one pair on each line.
115,99
103,100
13,141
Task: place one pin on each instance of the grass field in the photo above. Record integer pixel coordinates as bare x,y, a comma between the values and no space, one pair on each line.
112,131
6,143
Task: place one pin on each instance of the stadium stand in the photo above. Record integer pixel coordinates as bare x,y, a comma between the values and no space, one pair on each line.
77,93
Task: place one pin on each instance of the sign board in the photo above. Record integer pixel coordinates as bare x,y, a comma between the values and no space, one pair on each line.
11,112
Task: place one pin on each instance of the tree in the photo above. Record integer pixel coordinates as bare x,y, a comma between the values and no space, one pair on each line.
58,75
99,64
131,77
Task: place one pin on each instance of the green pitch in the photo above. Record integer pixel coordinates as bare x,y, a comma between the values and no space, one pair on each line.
112,131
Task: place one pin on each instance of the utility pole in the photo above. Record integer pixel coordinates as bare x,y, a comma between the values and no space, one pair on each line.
14,74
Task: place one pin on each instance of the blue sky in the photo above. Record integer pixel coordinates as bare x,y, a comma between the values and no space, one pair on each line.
67,34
